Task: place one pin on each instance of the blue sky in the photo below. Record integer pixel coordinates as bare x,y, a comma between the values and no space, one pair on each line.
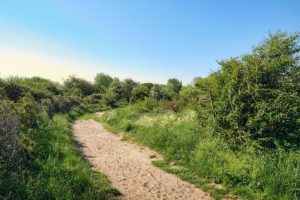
142,39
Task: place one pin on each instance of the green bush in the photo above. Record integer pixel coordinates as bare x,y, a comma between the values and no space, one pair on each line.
258,94
83,87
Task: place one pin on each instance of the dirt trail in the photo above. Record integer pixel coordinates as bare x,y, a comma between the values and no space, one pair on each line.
129,167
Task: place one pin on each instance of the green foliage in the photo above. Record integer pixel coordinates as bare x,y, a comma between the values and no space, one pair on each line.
140,93
38,158
189,96
259,93
10,147
161,92
116,94
15,88
28,111
128,85
102,82
79,86
174,85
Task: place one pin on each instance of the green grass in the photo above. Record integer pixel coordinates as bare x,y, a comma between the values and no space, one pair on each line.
206,160
56,169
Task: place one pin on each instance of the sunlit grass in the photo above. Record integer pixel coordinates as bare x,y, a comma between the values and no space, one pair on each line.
206,160
58,170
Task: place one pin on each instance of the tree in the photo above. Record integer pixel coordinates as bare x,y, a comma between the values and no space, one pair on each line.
85,87
189,96
159,92
102,82
174,85
128,85
140,92
115,93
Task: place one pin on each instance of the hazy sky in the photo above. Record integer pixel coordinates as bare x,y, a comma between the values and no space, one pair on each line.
147,40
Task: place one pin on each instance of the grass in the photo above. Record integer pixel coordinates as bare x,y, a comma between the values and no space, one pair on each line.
206,160
56,169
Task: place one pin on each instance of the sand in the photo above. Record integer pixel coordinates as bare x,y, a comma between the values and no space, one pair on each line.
128,166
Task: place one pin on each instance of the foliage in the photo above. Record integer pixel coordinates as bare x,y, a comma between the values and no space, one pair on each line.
28,111
10,147
189,96
174,85
139,93
82,86
38,158
161,92
102,82
259,93
128,85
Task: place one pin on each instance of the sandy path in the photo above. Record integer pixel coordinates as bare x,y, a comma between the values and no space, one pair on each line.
129,167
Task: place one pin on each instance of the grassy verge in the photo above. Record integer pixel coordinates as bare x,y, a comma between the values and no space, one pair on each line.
56,169
206,160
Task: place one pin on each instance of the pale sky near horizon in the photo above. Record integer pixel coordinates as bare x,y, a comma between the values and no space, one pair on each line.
140,39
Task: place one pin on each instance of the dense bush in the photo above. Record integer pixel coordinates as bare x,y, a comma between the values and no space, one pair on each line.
174,85
258,94
82,86
10,147
102,82
139,93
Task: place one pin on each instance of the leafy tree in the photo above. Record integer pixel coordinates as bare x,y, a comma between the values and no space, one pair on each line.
147,85
189,96
160,92
140,92
28,110
115,93
128,85
102,82
85,87
174,85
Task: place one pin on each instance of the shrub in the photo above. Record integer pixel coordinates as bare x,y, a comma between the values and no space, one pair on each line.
85,87
28,110
10,146
102,82
139,93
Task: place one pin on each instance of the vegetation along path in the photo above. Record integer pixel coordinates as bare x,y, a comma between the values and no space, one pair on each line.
129,167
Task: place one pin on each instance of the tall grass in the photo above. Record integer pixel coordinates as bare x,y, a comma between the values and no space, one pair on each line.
56,169
247,172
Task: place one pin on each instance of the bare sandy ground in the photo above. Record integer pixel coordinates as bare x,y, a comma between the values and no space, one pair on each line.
129,167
